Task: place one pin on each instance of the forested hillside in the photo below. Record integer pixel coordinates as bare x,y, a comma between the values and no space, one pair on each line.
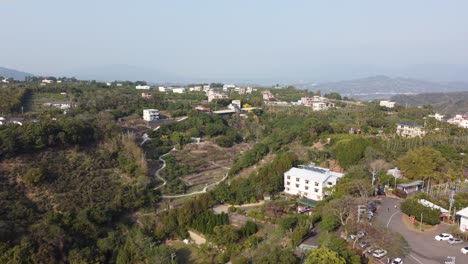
447,103
95,183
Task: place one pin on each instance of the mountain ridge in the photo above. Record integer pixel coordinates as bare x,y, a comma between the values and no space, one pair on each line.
384,87
15,74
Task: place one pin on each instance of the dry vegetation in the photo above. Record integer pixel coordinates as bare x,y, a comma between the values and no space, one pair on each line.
209,161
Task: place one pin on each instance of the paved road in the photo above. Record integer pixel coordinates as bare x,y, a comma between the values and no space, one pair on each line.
424,249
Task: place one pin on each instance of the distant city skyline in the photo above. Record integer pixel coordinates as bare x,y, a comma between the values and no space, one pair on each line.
238,40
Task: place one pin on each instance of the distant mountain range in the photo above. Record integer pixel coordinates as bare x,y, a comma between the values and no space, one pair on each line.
17,75
383,87
123,72
446,103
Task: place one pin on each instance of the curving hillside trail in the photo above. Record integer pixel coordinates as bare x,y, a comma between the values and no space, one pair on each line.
186,194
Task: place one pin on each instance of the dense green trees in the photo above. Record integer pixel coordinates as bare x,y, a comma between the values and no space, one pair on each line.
11,99
33,136
323,255
267,180
421,163
412,207
350,151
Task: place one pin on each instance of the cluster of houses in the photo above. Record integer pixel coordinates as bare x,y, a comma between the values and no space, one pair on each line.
458,120
317,103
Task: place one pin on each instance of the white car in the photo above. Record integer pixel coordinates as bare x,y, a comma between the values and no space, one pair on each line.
443,236
464,250
397,261
379,253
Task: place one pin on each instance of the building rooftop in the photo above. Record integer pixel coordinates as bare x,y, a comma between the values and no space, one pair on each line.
411,184
463,212
314,173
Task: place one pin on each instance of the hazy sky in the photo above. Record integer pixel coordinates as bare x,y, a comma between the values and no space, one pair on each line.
235,39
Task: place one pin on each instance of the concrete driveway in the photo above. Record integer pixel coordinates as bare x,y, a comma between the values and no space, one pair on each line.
424,248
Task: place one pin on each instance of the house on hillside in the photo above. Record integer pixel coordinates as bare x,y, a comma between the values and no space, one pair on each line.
310,181
410,130
412,187
267,96
214,95
150,114
317,103
179,90
387,104
3,121
463,214
142,87
146,96
459,120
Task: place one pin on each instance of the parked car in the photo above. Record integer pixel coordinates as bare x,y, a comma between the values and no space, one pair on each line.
370,250
363,245
443,236
361,234
397,261
464,250
379,253
454,241
352,237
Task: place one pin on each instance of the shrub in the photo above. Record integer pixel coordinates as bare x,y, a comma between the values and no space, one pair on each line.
413,207
34,176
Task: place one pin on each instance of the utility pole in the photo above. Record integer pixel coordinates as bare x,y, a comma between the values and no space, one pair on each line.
451,200
420,226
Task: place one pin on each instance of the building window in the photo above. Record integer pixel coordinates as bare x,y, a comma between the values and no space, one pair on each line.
297,185
287,189
297,179
289,177
305,194
330,183
316,190
307,187
287,183
307,181
316,184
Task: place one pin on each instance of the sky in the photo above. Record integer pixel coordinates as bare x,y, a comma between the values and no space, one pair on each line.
251,39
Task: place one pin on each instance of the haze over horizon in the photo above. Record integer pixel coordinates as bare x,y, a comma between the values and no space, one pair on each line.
241,40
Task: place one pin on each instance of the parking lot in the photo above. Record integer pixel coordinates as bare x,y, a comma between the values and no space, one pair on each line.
424,248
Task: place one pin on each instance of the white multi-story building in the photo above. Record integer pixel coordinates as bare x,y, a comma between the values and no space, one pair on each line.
387,104
179,90
410,129
310,181
463,219
459,120
228,86
317,103
142,87
214,95
150,114
267,96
